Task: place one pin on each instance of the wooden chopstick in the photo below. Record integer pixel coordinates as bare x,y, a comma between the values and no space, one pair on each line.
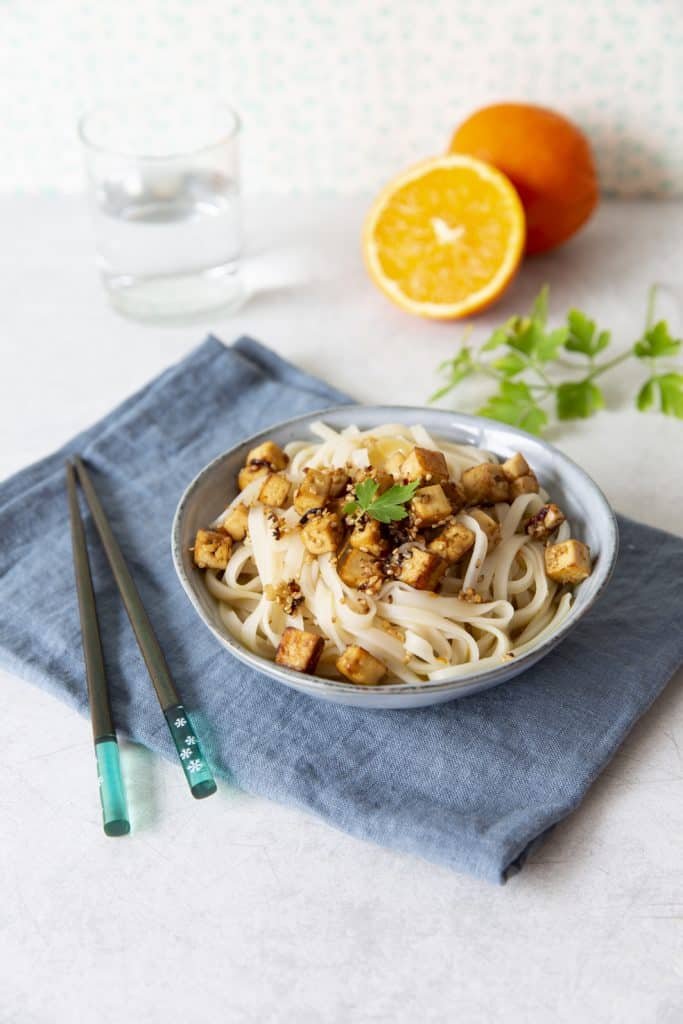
192,760
112,792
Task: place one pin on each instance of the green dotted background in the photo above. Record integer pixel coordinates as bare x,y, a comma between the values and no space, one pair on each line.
338,96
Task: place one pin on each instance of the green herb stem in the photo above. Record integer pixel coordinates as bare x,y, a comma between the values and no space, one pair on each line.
604,367
651,300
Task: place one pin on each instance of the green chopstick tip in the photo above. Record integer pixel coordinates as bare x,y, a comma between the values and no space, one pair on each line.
112,791
195,766
117,828
203,789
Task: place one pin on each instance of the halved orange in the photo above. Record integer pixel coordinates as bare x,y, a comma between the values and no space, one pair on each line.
445,238
548,160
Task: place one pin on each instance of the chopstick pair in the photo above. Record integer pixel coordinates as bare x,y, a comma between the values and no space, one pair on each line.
192,760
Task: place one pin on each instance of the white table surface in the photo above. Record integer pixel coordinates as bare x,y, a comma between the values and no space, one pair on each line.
238,910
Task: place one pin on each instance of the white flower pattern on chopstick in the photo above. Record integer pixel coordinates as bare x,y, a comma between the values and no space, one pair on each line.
189,751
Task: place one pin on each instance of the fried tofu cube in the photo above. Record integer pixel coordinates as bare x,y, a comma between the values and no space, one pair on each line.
235,523
425,464
339,480
454,541
527,484
338,505
322,532
299,650
488,524
423,570
268,454
360,569
249,473
275,491
568,562
383,480
515,466
367,536
394,462
485,484
360,666
545,522
313,491
455,494
429,506
211,549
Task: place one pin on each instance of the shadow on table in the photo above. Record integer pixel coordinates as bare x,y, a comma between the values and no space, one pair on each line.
140,769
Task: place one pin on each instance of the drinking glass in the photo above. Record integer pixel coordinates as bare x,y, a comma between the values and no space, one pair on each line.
164,188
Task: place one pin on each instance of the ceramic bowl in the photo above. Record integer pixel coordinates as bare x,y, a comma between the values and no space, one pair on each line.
586,507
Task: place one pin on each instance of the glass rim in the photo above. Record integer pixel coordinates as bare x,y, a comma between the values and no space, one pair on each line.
82,127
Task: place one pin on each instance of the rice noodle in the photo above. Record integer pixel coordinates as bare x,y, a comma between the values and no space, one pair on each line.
509,607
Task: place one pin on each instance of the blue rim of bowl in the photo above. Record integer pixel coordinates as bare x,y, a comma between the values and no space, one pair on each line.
462,685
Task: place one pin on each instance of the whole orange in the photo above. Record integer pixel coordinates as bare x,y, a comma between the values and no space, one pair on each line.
545,156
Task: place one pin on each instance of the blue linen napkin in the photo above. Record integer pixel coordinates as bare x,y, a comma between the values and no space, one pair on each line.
472,784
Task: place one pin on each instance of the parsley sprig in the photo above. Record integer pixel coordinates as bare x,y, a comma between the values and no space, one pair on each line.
527,352
386,508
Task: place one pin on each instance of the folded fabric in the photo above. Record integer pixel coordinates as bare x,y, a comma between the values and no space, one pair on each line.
471,784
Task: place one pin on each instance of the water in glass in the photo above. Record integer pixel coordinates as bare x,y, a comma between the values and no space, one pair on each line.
165,198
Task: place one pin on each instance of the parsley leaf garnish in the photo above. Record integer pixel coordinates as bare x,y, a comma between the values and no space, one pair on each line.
577,400
386,508
657,342
668,388
583,335
515,404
